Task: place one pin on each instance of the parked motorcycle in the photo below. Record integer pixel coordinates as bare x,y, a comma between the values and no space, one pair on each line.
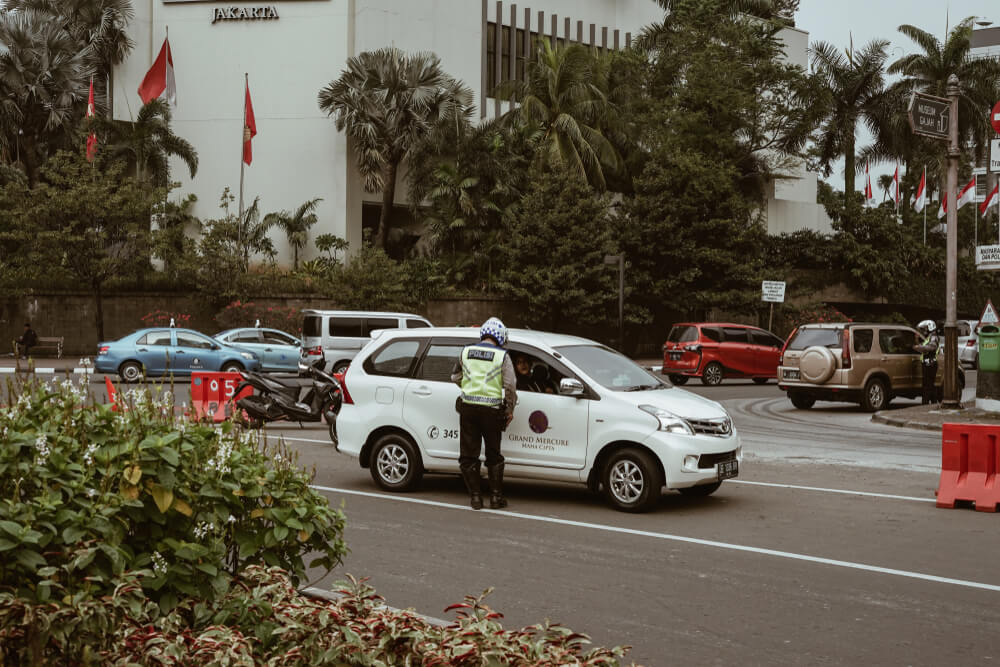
311,398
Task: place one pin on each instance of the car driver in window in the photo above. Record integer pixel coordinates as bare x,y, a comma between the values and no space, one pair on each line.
531,378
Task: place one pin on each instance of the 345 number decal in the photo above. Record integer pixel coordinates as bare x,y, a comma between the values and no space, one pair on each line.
449,433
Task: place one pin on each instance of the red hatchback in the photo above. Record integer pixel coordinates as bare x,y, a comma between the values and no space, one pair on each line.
713,351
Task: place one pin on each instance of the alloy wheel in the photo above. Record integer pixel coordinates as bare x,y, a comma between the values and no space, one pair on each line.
393,464
626,481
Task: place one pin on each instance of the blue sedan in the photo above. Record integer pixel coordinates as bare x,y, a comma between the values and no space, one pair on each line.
277,350
166,351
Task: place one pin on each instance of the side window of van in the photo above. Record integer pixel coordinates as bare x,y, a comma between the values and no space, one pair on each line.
416,324
395,359
346,327
439,362
375,323
312,326
862,340
735,335
712,333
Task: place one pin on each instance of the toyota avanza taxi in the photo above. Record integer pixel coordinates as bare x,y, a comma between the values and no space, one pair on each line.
610,425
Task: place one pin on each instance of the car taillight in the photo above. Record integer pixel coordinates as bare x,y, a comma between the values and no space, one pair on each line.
845,348
104,349
341,378
781,357
315,351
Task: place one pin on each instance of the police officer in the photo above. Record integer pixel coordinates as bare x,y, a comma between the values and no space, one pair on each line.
928,348
485,408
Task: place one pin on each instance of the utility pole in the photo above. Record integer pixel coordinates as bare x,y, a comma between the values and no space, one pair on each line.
951,399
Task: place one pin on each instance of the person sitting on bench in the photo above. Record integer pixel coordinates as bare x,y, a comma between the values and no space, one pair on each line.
28,340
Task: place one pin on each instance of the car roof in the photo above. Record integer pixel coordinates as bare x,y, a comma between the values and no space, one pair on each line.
528,336
840,325
358,313
715,324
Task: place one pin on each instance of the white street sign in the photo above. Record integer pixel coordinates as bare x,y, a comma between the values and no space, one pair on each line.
774,291
988,257
994,155
989,315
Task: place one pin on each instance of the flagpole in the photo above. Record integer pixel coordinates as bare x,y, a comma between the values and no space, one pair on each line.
243,134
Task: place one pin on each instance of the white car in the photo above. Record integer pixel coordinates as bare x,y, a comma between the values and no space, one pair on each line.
608,424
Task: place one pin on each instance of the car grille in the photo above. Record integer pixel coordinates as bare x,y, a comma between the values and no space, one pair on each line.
711,460
719,427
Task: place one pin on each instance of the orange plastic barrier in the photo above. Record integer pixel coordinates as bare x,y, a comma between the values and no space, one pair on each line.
212,394
970,459
111,394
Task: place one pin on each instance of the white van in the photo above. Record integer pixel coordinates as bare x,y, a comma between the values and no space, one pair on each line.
338,335
610,423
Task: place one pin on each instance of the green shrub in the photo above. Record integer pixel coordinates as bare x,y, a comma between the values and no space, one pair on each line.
87,493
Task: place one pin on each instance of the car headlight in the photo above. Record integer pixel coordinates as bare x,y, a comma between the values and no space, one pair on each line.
669,422
248,356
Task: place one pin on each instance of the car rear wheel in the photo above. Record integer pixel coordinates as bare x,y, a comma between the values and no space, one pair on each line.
800,400
232,367
130,371
632,480
395,464
761,380
712,375
876,396
679,380
701,490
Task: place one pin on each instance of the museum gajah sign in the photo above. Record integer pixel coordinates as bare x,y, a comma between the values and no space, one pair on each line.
244,13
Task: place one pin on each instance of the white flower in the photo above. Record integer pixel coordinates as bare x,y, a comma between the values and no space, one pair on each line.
42,445
88,456
159,563
231,519
91,492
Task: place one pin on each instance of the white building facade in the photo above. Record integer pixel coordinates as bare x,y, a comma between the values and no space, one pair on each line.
291,49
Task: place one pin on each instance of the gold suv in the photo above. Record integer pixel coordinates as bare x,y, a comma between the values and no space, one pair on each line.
856,362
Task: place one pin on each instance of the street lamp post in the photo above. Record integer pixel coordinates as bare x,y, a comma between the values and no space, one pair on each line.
619,259
951,399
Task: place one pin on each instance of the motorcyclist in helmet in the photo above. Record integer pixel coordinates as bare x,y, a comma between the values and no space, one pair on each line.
928,348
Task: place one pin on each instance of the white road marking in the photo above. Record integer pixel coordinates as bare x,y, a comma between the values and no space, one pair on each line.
286,437
825,490
681,538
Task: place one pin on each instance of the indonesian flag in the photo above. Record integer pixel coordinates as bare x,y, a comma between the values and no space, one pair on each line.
943,211
868,184
991,199
895,180
249,128
160,78
967,194
91,138
920,199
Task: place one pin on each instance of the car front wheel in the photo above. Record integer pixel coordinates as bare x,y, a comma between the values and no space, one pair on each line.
679,380
232,367
632,480
712,375
395,464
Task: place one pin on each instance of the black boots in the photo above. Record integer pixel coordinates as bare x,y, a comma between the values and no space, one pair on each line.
470,474
497,501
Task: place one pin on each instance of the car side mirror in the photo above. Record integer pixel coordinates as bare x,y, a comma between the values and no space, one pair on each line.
570,387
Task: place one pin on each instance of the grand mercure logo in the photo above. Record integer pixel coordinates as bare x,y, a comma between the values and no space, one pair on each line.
244,13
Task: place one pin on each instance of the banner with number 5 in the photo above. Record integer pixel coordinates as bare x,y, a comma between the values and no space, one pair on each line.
212,394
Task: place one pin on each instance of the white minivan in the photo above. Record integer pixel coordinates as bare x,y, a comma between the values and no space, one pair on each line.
338,335
609,423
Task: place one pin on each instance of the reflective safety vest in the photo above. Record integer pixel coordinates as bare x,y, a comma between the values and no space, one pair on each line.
482,375
931,357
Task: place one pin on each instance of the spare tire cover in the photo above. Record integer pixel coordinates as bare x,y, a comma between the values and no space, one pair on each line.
817,364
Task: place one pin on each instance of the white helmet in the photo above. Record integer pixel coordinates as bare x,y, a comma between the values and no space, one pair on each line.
495,329
927,326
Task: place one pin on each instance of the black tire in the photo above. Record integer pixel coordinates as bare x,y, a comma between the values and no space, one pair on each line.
702,490
340,367
800,400
130,371
761,380
679,380
333,433
395,463
876,395
712,375
632,480
231,367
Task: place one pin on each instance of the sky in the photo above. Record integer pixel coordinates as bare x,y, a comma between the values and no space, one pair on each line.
836,21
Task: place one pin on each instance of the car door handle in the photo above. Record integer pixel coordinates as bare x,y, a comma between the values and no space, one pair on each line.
179,352
422,391
267,349
142,349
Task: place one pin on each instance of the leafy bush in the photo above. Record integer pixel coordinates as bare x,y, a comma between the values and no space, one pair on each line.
87,494
162,318
811,314
263,620
247,313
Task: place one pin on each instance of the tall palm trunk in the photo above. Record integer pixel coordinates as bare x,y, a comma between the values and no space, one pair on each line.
849,165
388,197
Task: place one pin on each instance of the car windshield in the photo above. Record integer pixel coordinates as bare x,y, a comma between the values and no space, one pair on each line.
809,337
611,369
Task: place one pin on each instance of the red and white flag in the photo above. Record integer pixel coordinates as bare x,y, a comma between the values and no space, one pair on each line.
160,78
868,184
967,194
920,199
249,128
943,211
91,138
895,180
991,199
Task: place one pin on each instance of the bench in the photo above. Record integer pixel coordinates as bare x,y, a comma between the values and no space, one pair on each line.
46,342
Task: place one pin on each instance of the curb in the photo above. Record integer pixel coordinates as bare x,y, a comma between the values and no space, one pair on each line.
48,370
904,423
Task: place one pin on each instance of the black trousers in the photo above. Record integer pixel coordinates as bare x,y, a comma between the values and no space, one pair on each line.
479,426
930,371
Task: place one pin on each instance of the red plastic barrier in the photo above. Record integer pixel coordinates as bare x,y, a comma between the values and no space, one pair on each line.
111,394
212,394
970,459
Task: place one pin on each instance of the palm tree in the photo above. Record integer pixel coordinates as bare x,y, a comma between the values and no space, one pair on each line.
386,101
885,183
564,94
854,83
44,79
148,143
296,226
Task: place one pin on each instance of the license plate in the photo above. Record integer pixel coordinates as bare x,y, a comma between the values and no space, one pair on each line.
675,356
791,375
728,469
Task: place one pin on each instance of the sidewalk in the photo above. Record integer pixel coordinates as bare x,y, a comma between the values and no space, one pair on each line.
931,417
44,365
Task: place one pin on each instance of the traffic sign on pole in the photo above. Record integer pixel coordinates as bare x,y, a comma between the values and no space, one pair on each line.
995,117
929,115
